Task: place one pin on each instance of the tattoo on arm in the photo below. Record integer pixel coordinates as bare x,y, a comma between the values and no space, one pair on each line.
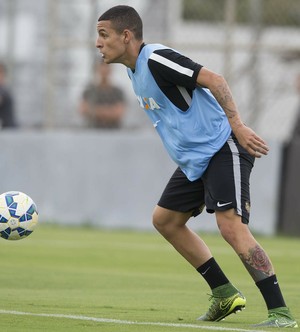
257,263
224,97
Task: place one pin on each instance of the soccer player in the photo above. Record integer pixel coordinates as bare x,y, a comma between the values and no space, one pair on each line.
194,113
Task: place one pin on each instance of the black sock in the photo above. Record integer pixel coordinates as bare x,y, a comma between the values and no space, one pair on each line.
212,273
271,292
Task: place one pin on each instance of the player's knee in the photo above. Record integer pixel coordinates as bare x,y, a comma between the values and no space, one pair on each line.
229,225
228,233
159,221
163,221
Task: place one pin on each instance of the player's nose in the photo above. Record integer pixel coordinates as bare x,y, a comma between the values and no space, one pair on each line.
98,43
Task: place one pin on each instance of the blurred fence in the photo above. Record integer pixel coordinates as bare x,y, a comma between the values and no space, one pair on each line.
48,46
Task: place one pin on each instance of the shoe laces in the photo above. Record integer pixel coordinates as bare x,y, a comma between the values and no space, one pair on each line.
278,315
213,298
273,315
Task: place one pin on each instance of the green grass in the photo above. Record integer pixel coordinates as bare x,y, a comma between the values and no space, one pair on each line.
125,275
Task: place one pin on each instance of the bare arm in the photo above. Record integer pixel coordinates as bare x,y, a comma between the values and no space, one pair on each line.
220,90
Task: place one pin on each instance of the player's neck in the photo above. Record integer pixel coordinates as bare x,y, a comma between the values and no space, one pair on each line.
133,52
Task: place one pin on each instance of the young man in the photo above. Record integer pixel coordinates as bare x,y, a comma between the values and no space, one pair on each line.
195,115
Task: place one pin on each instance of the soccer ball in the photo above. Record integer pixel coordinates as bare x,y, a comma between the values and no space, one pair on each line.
18,215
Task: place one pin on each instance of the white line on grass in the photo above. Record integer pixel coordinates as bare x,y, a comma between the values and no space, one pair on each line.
125,322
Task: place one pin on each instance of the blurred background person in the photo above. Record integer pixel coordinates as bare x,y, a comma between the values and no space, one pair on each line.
103,104
289,208
296,131
7,113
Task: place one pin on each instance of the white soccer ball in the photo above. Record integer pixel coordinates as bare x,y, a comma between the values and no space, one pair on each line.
18,215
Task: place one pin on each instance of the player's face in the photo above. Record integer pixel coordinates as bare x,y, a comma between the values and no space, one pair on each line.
110,44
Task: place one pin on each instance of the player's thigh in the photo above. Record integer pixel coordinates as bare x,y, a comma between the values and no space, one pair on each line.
163,217
183,195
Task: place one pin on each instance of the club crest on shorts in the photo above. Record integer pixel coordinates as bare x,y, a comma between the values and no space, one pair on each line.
247,206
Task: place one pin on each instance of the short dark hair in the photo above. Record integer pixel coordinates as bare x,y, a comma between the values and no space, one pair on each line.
124,17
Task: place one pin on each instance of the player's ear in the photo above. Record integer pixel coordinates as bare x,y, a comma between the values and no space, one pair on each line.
127,35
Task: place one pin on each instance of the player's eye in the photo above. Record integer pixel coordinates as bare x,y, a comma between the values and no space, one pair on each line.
102,34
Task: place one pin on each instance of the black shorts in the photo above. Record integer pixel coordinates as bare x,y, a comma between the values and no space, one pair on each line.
224,185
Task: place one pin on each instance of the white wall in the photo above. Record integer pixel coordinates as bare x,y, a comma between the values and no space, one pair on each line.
111,178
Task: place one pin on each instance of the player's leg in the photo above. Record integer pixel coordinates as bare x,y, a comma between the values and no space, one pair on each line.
259,266
180,200
172,226
238,235
228,195
225,299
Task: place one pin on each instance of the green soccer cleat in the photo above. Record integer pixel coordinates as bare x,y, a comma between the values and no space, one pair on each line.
222,306
279,318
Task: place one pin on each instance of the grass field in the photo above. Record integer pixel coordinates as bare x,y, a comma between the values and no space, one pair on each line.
84,279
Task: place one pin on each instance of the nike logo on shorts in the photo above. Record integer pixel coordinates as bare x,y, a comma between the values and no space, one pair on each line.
223,204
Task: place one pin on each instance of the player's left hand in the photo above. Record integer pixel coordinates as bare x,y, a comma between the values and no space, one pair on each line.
250,141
